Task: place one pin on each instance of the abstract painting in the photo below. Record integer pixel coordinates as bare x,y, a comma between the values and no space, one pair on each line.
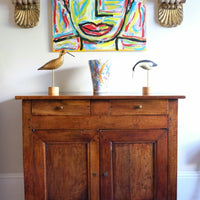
99,25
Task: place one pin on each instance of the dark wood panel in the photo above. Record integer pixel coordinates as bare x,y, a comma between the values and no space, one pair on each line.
133,172
106,168
99,122
121,163
52,136
141,170
161,168
94,171
39,165
172,149
63,164
137,161
67,171
28,151
138,135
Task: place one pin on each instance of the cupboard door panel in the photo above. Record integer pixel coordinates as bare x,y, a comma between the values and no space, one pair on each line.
121,163
133,171
63,164
136,162
66,171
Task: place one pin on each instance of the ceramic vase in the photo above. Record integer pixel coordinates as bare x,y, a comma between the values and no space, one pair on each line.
100,73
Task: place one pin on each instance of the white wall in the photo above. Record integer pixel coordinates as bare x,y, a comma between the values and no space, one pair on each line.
176,50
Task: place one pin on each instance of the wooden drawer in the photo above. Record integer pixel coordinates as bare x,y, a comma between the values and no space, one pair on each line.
139,107
61,107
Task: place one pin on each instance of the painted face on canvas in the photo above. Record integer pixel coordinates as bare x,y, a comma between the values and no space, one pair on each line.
98,20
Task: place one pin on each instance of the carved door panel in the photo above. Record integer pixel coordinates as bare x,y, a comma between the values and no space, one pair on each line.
65,163
133,164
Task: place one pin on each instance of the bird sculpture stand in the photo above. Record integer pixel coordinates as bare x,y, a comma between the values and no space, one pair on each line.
53,91
147,65
52,65
146,90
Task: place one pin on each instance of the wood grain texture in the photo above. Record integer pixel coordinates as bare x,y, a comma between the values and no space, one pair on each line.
106,168
121,165
62,164
142,171
172,149
109,96
100,107
100,122
161,168
28,150
92,147
94,171
62,107
139,107
67,170
39,158
137,160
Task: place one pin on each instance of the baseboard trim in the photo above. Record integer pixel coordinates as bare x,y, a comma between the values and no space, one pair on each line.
188,185
12,186
11,176
189,174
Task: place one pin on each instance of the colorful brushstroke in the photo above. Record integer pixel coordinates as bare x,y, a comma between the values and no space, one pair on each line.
99,25
100,73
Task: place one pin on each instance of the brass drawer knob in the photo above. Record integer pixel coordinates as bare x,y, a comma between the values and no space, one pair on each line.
59,107
138,107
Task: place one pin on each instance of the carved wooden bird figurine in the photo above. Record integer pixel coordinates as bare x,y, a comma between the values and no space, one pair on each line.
55,63
145,64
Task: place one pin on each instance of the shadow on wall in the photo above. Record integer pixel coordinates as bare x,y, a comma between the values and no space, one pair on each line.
10,6
76,79
194,159
10,137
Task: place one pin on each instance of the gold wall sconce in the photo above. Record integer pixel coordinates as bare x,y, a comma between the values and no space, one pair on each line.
27,12
170,12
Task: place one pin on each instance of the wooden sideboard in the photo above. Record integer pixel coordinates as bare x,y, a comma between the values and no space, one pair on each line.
112,147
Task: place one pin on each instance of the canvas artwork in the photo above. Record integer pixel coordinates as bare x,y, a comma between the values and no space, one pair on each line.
99,25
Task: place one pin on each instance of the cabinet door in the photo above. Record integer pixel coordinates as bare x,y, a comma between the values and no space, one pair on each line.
65,164
133,165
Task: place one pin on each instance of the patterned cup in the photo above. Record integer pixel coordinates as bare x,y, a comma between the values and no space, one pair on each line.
100,72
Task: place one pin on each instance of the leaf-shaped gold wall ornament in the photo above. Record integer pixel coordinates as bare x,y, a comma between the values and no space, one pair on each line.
27,13
170,12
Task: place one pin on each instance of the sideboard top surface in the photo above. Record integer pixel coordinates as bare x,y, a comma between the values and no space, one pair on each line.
96,96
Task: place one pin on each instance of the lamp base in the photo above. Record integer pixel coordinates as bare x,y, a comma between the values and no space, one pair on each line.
53,91
146,91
